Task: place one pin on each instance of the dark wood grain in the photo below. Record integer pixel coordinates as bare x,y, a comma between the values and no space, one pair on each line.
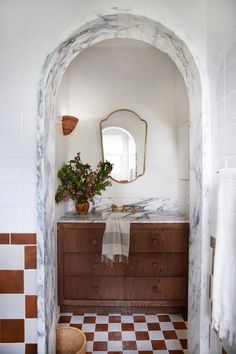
155,279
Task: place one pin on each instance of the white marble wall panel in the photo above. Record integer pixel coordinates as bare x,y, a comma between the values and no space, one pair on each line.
140,28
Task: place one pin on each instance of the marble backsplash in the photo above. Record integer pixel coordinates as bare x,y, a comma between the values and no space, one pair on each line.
103,204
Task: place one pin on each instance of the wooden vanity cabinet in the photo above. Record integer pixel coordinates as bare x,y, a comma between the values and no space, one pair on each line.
154,280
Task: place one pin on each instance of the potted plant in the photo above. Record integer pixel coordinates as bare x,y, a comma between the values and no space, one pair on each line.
80,183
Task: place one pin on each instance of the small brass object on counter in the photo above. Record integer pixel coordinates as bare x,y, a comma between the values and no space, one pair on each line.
114,208
123,209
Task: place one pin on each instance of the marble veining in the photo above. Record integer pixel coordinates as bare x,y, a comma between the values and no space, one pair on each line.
139,217
154,33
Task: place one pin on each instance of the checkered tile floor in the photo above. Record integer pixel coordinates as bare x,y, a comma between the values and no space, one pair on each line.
133,334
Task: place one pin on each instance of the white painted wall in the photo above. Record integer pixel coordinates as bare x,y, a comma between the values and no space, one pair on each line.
129,74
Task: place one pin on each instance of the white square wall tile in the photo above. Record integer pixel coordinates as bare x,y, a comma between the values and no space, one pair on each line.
11,170
31,330
29,219
11,257
11,145
11,219
29,170
12,348
11,95
11,195
230,78
11,120
11,71
230,141
220,87
30,282
230,108
12,306
29,195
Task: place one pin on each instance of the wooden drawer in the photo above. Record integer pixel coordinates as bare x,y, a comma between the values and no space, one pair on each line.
140,264
82,240
157,264
85,288
159,240
90,264
155,288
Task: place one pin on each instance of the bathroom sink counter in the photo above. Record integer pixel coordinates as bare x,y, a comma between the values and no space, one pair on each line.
139,217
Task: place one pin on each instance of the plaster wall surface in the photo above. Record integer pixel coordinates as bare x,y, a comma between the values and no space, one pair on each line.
129,74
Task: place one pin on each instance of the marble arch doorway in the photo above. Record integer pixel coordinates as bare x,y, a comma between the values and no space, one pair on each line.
153,33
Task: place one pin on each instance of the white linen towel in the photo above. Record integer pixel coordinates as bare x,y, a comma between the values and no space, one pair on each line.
224,279
116,239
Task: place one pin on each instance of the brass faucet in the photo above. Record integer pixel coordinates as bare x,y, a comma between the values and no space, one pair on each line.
123,208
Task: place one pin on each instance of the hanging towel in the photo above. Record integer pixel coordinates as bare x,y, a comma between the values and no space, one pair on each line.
116,238
224,279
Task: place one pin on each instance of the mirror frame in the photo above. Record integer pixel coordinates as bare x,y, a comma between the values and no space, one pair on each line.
145,142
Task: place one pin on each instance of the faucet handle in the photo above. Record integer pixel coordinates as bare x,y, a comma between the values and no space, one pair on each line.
124,209
114,208
133,209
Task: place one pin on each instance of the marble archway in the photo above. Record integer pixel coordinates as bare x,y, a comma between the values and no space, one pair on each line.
154,33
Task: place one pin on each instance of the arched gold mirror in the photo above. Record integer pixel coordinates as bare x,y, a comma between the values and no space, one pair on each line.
123,138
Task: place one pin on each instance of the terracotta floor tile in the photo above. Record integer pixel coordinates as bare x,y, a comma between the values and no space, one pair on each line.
170,335
176,352
129,345
139,319
164,318
100,346
114,319
142,335
31,348
114,336
158,345
64,319
183,343
11,282
12,331
76,325
31,306
4,239
179,325
30,257
127,327
23,239
153,326
89,319
101,327
89,336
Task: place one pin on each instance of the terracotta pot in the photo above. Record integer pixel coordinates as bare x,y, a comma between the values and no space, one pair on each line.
82,208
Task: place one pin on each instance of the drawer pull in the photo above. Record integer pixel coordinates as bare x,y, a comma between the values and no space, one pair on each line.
95,242
95,289
95,266
154,241
154,265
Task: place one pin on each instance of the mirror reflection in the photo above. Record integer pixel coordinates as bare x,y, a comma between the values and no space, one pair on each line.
123,135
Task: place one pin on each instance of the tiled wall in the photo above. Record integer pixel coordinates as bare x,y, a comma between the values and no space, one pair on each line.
18,300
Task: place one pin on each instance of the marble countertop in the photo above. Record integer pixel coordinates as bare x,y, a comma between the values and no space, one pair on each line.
144,217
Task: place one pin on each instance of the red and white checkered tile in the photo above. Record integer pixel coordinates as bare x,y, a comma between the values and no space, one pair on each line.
132,334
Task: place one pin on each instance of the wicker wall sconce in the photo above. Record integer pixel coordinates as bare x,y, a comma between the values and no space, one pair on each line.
68,124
